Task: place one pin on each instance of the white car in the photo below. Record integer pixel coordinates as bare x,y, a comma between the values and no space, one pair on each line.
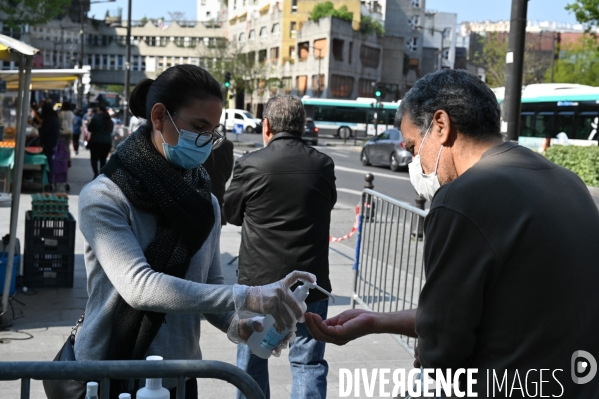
242,117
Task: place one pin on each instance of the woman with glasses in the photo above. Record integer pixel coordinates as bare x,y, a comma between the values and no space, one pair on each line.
152,236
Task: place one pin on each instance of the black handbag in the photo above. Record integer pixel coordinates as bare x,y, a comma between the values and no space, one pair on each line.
66,389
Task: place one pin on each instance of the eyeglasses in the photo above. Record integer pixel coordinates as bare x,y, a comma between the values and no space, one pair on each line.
204,138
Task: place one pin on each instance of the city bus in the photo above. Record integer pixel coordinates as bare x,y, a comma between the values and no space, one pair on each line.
558,114
348,118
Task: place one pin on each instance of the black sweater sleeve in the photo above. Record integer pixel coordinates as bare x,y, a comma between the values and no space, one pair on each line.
452,301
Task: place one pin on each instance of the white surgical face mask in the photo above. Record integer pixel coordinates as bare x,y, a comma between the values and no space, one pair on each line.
425,185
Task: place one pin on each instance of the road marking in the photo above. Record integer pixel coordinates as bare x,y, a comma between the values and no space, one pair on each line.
363,172
338,154
349,191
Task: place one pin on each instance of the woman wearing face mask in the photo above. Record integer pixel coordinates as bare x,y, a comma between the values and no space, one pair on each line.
152,236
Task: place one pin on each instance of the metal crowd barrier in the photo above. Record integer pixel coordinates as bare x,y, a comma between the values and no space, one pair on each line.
389,266
103,371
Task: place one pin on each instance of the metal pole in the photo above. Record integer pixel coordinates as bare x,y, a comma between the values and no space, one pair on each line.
81,50
552,56
127,67
319,77
24,93
441,50
513,71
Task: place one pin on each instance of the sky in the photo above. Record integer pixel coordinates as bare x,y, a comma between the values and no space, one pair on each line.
467,10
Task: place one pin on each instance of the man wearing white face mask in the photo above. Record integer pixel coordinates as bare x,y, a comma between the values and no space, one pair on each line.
510,247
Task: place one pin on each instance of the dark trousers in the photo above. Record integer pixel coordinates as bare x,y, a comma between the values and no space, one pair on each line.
76,141
99,153
191,390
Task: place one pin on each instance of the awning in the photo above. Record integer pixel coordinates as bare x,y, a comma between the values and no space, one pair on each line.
12,49
44,79
265,8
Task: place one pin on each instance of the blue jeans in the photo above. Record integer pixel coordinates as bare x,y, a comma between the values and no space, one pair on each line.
306,357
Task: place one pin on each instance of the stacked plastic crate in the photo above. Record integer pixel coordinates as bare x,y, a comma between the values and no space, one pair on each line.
49,242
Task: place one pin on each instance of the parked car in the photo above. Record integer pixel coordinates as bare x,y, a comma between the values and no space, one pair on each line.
386,149
310,132
240,116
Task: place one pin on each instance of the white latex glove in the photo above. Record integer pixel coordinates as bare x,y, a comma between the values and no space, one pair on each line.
240,330
283,344
276,299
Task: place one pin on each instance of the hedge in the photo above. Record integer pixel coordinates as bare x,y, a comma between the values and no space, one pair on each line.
584,161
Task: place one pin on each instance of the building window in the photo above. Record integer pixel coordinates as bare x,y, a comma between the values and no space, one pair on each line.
119,62
412,44
293,6
341,86
252,35
301,84
303,49
263,34
293,30
318,83
287,84
261,56
276,31
338,49
292,52
366,88
274,54
414,21
320,48
207,14
242,37
415,3
370,56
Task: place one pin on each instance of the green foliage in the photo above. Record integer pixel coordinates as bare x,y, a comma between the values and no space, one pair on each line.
143,21
327,9
577,64
369,25
31,12
584,161
586,12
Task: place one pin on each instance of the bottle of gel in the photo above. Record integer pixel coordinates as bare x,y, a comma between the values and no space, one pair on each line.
153,388
262,343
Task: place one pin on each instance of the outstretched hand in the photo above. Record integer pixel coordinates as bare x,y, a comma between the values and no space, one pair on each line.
341,329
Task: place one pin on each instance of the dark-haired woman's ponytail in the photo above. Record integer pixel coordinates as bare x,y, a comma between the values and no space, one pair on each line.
138,98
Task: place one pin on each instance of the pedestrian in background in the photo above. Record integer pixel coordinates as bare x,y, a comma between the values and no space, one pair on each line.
282,196
152,236
50,130
87,118
77,128
219,166
67,120
100,140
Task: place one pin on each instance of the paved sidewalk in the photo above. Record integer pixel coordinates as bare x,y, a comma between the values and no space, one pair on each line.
49,313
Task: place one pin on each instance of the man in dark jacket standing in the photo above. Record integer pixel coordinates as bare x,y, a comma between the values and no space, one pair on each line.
283,195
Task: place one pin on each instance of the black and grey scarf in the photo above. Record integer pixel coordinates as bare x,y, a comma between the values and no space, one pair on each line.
151,183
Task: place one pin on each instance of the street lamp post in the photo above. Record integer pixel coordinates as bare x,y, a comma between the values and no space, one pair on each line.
442,32
127,67
319,76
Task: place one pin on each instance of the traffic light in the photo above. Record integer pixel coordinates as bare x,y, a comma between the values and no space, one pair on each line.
227,80
378,92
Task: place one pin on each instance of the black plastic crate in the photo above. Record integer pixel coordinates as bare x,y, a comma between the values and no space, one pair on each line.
49,235
49,254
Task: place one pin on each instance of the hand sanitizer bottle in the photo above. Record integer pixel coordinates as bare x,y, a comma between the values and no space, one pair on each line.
92,390
262,343
153,388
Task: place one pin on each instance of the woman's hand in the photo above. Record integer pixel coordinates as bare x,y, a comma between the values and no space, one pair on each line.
341,329
277,300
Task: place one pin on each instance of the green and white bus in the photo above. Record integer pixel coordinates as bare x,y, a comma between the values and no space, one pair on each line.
548,110
347,118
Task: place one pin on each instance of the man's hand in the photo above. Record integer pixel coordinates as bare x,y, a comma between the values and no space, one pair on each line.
341,329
